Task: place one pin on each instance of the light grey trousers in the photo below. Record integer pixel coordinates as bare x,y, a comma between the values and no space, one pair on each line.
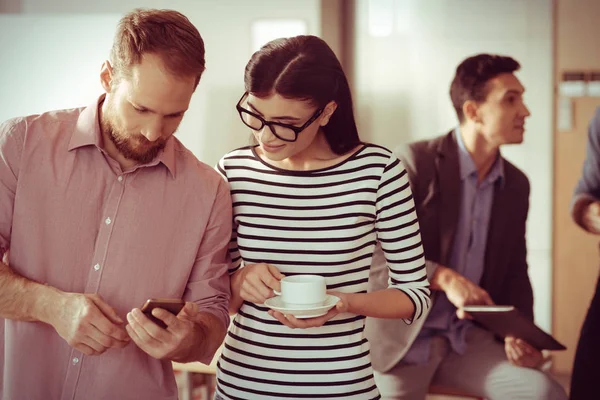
482,371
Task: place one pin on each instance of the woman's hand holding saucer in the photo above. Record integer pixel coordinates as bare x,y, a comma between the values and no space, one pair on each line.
342,306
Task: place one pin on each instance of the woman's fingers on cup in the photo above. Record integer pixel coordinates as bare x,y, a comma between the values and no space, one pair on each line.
247,297
250,293
264,278
275,272
255,284
271,284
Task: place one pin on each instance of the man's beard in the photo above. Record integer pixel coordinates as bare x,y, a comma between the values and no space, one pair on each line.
133,147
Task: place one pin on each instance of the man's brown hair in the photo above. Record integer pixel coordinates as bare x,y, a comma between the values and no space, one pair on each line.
472,76
166,33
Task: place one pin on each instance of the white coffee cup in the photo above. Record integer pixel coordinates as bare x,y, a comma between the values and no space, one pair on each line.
303,290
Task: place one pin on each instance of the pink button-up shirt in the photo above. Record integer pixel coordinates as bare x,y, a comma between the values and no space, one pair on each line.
72,219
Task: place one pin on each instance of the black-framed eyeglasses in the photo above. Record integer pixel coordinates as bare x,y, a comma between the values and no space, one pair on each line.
285,132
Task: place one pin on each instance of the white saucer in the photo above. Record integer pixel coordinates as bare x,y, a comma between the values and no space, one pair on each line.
275,303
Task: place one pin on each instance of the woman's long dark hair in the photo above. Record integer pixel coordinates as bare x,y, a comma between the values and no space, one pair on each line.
305,68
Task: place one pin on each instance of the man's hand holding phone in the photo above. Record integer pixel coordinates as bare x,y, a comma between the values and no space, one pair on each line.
174,342
173,306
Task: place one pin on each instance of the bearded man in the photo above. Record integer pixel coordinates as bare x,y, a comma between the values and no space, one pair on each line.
102,208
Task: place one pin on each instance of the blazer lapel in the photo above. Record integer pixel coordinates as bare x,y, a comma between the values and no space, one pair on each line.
448,176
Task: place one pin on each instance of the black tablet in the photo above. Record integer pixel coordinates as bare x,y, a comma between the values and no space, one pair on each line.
508,321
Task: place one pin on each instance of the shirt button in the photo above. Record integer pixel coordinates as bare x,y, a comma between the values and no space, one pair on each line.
120,178
75,360
97,267
107,221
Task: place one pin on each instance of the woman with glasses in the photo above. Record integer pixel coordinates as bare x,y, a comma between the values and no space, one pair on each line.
311,198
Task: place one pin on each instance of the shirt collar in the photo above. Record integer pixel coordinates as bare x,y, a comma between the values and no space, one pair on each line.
87,133
468,168
87,129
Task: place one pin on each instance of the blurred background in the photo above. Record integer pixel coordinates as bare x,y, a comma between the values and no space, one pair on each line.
400,56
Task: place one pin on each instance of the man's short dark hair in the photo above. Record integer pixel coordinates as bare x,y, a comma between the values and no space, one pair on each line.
473,74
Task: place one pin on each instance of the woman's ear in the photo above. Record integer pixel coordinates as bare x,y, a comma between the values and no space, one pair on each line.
328,112
106,76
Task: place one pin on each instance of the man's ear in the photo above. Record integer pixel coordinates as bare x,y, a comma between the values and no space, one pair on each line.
106,76
328,112
471,111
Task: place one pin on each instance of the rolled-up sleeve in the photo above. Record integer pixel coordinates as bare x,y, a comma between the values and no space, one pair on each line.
208,285
589,183
400,238
11,147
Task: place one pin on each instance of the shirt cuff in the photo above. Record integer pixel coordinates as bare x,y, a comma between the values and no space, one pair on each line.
431,267
578,198
581,196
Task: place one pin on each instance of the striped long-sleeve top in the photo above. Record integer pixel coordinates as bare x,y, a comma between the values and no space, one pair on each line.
325,222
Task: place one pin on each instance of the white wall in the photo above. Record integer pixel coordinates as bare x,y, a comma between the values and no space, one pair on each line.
51,55
402,80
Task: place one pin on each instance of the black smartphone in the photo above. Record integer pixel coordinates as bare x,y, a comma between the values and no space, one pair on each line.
173,306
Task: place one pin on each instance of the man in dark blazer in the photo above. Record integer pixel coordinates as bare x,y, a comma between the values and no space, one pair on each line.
472,206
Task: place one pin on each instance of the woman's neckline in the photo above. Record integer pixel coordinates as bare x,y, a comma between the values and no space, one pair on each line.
351,156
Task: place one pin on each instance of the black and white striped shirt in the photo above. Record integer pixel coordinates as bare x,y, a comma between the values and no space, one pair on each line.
325,222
